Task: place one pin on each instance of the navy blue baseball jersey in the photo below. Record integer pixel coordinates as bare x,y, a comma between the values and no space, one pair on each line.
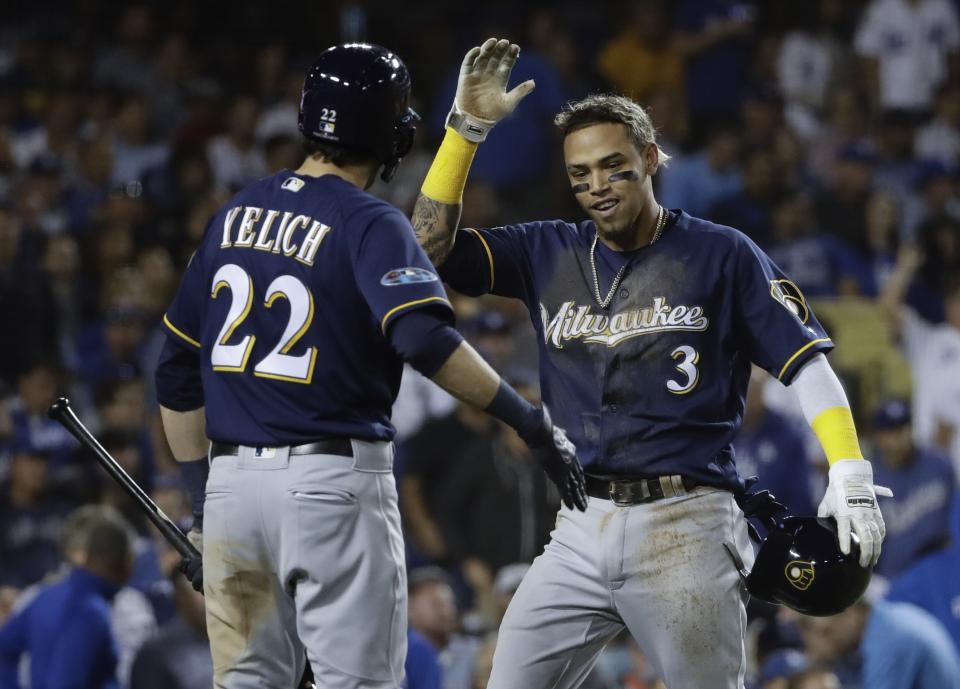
655,383
289,298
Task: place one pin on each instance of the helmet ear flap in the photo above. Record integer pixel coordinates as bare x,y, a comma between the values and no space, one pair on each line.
403,133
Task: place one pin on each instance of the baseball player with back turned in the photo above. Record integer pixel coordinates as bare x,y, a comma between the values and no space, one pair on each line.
648,320
285,348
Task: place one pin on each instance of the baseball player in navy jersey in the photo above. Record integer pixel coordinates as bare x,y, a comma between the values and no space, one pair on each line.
648,321
286,342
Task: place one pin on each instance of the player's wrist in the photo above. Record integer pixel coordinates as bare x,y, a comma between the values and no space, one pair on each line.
470,127
447,177
508,406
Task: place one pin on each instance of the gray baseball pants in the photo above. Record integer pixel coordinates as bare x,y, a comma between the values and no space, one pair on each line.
305,553
659,569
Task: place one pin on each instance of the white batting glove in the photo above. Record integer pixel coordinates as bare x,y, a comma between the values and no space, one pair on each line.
851,499
482,87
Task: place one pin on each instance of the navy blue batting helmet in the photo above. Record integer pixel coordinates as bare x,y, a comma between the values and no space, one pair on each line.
800,565
357,96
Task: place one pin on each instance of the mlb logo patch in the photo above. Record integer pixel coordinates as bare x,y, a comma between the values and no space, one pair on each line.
327,127
292,184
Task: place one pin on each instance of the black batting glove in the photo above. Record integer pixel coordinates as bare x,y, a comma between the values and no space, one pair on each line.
761,505
557,455
192,569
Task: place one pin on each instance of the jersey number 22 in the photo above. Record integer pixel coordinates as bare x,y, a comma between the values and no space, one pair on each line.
278,364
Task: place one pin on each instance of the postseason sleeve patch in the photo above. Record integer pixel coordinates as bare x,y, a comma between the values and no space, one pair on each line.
407,276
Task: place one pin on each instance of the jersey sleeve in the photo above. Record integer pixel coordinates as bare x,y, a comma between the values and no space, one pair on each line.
392,271
773,323
494,260
184,318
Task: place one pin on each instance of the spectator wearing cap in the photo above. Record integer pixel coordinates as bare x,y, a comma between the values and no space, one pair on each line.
933,352
696,181
907,47
32,520
770,447
883,645
432,612
66,629
922,481
790,669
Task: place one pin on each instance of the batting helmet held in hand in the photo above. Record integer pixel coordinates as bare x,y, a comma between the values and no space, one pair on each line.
800,565
357,96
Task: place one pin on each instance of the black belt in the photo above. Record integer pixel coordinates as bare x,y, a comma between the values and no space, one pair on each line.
636,490
330,446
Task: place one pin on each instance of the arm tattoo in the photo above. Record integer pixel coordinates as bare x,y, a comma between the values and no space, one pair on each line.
435,224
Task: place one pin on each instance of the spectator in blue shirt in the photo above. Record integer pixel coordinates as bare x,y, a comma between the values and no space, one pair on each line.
696,181
66,628
771,448
932,584
31,519
898,646
822,265
713,37
922,481
422,666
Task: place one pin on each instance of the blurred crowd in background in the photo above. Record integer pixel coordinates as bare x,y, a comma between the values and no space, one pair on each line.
827,130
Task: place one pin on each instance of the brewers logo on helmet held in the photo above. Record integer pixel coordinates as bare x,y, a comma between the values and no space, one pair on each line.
800,565
800,573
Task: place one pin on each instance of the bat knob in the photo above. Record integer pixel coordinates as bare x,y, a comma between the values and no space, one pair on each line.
58,408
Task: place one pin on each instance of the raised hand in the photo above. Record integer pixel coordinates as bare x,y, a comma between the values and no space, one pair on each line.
482,87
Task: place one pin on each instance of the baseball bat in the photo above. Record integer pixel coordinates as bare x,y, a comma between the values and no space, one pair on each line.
61,412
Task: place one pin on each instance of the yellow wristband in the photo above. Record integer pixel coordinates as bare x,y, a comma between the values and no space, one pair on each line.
448,173
837,435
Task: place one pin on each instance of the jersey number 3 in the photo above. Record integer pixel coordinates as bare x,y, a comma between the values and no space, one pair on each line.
278,364
688,358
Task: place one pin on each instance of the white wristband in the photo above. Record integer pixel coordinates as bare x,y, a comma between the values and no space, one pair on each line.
469,127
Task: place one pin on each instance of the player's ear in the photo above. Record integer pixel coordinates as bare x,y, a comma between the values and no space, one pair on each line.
651,157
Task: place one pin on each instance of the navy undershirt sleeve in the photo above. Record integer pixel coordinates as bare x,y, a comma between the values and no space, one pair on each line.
425,338
179,386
